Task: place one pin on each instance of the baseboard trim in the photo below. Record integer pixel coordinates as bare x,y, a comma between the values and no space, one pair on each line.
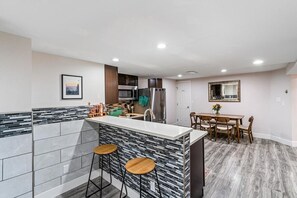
275,138
81,180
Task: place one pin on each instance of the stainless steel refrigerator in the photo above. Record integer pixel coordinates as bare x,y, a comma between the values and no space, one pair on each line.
156,108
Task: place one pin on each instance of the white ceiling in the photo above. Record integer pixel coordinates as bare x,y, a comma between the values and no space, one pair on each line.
201,35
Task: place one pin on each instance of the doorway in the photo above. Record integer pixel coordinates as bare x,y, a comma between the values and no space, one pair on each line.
183,107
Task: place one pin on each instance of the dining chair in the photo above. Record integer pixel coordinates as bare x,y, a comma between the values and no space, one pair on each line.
194,121
248,129
206,125
223,125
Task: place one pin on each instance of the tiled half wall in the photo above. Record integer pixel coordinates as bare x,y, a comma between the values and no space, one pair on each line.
172,158
62,148
16,155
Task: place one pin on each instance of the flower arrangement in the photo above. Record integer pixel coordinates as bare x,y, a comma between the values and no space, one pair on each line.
216,108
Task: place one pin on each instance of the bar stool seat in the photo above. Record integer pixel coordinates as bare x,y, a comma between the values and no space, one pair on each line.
105,149
140,166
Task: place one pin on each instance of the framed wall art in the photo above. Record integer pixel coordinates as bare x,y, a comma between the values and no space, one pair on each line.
72,87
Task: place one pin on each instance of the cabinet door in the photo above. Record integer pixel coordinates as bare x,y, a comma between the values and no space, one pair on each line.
122,79
111,85
155,83
159,83
132,80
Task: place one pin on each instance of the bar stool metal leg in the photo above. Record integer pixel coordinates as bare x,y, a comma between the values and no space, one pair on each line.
120,167
158,182
110,178
140,188
90,174
101,179
123,183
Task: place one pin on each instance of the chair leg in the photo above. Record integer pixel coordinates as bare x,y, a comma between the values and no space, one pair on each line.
158,182
90,174
123,183
140,188
250,138
210,132
228,137
101,179
216,135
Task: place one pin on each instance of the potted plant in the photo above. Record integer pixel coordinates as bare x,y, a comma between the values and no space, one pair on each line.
216,108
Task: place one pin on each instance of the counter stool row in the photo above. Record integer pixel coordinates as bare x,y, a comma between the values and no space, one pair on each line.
136,166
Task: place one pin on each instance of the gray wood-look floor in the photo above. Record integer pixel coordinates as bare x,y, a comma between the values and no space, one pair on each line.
262,169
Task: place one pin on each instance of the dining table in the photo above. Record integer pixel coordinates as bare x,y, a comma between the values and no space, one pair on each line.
236,118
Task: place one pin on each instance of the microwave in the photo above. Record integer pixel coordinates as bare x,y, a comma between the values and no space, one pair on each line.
127,92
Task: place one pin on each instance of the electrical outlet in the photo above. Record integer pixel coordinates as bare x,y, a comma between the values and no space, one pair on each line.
66,168
152,186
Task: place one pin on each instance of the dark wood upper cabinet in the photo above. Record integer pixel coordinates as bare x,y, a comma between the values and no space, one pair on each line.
125,79
155,83
111,84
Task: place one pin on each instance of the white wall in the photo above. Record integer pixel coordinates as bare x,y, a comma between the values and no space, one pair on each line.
15,73
294,108
170,86
46,80
280,106
258,98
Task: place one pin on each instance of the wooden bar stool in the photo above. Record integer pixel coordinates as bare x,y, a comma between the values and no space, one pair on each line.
101,151
141,166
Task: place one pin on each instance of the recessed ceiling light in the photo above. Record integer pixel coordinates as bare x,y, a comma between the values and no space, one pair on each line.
179,75
115,60
161,46
192,72
224,70
258,62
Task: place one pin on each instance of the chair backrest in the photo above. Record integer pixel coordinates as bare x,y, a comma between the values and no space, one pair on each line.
193,118
251,120
223,119
205,120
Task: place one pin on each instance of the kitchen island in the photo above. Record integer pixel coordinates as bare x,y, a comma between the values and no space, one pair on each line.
168,145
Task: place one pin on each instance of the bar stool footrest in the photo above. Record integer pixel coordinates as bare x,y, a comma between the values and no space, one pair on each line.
99,189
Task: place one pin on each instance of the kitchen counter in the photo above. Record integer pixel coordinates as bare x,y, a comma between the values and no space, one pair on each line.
175,149
197,135
166,131
133,116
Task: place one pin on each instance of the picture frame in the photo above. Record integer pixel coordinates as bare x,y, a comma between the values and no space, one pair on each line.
224,91
72,87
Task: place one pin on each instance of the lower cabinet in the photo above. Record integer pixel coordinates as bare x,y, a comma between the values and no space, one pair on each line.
197,168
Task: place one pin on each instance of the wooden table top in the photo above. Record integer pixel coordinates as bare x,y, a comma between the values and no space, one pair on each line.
232,117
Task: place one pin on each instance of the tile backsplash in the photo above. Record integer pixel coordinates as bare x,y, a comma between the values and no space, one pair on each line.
12,124
59,114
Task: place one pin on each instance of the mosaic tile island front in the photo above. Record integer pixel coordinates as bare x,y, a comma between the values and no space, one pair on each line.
172,158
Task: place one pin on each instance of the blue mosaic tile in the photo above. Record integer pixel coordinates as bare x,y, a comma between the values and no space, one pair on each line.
12,124
172,159
59,114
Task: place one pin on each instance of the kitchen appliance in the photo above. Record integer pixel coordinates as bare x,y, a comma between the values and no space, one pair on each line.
156,109
127,92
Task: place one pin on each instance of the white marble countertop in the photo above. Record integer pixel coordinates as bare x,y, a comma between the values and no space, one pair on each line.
196,135
166,131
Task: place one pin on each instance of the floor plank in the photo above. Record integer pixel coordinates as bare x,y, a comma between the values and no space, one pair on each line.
264,169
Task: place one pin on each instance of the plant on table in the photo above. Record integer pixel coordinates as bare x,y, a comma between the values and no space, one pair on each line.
216,108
